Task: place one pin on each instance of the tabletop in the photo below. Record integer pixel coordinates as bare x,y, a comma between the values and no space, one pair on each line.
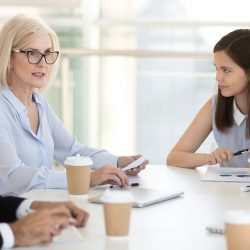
175,224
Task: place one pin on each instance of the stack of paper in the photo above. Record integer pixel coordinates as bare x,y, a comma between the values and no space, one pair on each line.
226,174
69,235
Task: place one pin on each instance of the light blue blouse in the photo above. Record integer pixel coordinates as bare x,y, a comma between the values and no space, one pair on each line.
234,139
26,158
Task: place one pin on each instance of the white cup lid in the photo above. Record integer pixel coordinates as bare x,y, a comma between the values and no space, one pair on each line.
116,196
237,217
78,161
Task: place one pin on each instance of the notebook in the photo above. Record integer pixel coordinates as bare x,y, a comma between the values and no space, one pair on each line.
146,196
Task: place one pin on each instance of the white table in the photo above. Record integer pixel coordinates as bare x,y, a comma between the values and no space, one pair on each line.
176,224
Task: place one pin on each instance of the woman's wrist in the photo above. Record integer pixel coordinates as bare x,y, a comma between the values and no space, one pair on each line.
92,179
208,159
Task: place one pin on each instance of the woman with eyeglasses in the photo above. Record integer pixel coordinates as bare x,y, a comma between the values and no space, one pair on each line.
31,135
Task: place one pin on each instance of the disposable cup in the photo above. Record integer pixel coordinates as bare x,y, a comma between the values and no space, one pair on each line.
237,225
117,206
78,169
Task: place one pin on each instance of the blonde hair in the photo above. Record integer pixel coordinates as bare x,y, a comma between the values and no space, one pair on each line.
17,33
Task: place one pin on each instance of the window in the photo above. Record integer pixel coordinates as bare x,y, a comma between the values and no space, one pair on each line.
134,72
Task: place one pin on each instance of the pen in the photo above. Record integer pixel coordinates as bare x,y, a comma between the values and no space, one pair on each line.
245,188
215,230
243,151
135,184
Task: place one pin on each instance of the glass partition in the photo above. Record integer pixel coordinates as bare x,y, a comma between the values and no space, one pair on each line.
133,73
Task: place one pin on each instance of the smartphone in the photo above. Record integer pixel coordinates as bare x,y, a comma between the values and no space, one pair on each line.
134,164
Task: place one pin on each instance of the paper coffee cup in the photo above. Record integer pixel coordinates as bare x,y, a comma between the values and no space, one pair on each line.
78,169
237,225
117,207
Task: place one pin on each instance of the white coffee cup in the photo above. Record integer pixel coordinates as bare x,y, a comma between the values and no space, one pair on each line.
78,169
117,206
237,229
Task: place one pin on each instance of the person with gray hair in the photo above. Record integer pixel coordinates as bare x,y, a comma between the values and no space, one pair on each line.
31,135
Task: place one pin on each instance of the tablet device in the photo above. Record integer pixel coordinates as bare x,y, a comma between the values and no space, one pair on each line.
145,196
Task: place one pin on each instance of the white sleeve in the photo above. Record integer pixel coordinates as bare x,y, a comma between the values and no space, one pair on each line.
5,230
24,209
7,235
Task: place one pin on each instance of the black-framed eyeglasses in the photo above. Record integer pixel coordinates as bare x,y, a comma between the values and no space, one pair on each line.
34,57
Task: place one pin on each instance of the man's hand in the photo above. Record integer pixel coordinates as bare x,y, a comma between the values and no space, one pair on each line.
123,161
80,215
41,226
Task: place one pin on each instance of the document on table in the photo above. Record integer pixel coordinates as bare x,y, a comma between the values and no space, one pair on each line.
69,235
226,174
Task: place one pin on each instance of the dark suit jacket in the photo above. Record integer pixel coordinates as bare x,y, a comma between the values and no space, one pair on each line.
8,207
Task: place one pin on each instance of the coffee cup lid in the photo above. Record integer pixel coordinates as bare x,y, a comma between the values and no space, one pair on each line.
237,217
117,196
78,160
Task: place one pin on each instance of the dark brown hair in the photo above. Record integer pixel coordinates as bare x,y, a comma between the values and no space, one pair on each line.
236,45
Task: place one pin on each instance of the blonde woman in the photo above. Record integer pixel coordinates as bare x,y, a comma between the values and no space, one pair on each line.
31,135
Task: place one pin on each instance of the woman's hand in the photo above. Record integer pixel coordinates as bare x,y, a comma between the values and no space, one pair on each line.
219,155
123,161
108,175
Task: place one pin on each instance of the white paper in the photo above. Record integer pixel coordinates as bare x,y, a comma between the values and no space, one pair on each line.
134,164
226,174
69,235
